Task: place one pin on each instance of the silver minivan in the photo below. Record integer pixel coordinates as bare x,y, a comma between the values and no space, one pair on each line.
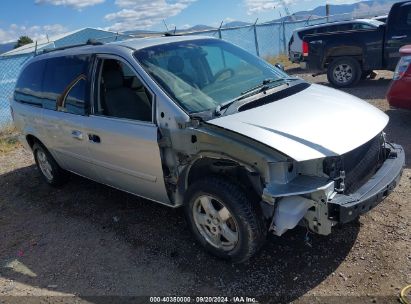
200,123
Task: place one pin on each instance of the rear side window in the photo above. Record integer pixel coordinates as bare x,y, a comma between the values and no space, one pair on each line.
29,85
75,100
65,84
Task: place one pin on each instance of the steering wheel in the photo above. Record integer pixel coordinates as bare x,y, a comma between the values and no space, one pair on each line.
222,72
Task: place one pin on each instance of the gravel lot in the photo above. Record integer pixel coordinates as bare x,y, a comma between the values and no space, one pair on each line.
87,240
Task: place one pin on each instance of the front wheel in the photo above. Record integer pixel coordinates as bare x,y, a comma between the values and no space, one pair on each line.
344,72
223,220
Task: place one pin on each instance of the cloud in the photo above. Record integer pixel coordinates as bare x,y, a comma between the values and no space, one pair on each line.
374,9
263,6
143,14
35,32
259,6
77,4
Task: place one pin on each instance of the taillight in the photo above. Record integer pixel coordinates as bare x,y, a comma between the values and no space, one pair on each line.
402,67
306,48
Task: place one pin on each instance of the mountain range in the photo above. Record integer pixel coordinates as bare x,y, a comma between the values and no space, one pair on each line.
362,8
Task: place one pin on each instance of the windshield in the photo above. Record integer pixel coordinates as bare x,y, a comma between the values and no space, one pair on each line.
202,74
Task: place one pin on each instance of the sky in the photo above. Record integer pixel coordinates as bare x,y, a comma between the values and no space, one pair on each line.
36,18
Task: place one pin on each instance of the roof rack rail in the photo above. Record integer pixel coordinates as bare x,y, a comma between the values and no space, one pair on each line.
89,42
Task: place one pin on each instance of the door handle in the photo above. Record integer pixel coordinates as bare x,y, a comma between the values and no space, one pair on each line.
94,138
77,134
399,37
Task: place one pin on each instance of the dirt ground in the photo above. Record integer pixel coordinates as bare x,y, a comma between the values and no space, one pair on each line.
85,241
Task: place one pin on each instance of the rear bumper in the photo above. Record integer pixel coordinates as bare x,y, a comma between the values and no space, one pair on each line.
345,208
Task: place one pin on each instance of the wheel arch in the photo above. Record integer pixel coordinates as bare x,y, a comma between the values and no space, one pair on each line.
32,139
238,173
353,51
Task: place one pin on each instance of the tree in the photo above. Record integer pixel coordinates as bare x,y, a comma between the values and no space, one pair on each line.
23,40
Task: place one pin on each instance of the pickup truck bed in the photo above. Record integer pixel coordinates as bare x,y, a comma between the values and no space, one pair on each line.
348,56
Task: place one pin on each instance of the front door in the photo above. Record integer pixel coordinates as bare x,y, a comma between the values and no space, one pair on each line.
121,133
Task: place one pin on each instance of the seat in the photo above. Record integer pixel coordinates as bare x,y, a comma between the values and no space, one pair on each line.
121,101
176,66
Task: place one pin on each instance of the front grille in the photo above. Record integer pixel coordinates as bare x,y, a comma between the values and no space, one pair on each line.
359,164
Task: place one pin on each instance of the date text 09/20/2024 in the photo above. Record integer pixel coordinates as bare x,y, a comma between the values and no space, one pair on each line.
205,299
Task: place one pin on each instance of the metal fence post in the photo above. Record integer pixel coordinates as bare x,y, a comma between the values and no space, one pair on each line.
284,40
257,49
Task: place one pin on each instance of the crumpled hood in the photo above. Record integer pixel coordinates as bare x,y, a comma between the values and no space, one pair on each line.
314,123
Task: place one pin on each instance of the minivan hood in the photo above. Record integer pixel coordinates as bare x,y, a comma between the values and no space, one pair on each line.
314,123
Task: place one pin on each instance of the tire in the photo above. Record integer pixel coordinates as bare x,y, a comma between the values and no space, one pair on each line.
48,167
344,72
239,221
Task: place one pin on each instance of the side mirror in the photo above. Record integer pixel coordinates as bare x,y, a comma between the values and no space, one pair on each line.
279,66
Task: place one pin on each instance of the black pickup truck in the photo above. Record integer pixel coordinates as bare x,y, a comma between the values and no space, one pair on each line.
351,55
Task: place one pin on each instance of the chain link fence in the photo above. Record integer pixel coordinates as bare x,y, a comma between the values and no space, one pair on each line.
265,40
10,69
271,39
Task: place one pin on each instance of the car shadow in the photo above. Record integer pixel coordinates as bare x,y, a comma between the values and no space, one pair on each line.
87,239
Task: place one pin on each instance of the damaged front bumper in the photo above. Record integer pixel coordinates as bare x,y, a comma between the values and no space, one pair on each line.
314,201
345,208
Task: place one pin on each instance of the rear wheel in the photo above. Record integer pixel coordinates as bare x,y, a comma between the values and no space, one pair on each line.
48,167
344,72
223,220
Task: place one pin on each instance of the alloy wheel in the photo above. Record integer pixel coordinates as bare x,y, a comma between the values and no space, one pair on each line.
343,73
44,165
215,223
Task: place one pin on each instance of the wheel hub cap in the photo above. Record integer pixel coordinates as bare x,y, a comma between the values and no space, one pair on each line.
215,223
44,165
343,73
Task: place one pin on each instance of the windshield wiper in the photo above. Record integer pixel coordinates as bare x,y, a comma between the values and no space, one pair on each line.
262,87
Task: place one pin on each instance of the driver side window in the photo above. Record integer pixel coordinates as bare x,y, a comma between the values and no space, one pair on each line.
121,94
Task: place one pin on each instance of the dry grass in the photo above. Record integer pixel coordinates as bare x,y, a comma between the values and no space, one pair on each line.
8,140
281,59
